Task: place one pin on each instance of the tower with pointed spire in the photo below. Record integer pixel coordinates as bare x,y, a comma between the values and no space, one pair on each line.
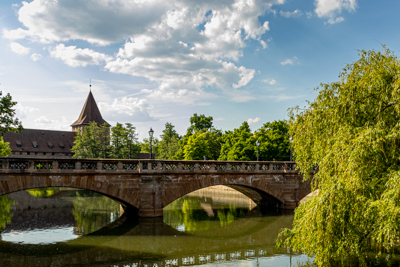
89,113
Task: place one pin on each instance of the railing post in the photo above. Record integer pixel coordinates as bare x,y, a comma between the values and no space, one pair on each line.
159,166
99,165
55,165
179,166
271,167
31,165
212,167
284,166
78,165
257,167
243,167
228,166
120,166
149,165
196,166
140,166
5,164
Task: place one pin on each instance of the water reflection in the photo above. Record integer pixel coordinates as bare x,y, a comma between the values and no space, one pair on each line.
51,215
196,230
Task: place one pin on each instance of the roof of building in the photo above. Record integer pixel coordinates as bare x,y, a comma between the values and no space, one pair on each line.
34,140
89,113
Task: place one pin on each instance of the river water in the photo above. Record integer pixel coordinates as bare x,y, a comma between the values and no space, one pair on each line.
66,227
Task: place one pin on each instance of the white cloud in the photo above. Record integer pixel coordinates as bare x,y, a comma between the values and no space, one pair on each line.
36,57
43,122
130,108
269,81
19,49
289,61
77,57
331,8
288,14
180,45
251,121
335,20
23,112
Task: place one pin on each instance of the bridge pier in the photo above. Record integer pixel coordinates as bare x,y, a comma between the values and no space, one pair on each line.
151,204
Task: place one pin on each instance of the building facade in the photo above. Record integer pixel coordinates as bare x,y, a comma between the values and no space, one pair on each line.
50,143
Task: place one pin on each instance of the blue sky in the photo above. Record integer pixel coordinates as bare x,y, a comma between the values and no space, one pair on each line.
157,61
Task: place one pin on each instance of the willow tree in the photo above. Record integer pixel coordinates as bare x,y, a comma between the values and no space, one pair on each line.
351,131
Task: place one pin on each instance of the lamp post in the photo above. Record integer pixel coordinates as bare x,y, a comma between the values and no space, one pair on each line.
151,132
130,137
291,141
258,149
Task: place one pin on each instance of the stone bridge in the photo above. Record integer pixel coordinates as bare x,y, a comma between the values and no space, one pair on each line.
145,187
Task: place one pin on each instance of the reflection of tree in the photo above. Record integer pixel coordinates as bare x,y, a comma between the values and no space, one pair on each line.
188,212
5,211
93,211
226,216
43,192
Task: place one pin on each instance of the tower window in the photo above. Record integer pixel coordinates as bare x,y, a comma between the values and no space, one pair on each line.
18,143
34,143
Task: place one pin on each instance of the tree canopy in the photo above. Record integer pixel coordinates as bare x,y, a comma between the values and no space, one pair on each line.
97,142
8,122
351,131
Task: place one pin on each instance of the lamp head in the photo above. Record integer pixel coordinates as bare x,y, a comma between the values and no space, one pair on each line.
151,132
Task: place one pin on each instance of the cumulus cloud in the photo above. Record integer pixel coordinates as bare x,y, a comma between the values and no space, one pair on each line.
269,81
179,44
23,112
36,57
63,20
289,61
77,57
331,8
43,122
288,14
135,109
251,121
19,49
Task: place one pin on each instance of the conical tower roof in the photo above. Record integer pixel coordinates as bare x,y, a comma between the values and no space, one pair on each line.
89,113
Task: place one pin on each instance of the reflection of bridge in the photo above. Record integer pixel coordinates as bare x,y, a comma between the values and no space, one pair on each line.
149,185
150,241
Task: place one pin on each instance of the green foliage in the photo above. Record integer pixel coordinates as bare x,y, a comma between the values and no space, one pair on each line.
120,143
92,142
96,142
169,143
145,146
240,144
7,112
43,192
92,211
201,139
352,132
5,149
5,211
200,123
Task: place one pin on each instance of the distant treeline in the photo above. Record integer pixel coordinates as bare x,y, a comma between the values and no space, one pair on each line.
201,140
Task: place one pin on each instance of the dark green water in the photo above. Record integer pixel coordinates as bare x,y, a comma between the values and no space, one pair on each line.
53,227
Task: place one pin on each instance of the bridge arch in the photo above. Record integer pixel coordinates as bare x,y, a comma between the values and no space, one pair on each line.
262,193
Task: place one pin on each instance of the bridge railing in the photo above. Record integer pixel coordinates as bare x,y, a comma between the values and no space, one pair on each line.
9,164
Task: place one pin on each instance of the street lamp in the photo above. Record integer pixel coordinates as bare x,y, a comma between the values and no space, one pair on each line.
151,132
130,137
258,149
291,141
